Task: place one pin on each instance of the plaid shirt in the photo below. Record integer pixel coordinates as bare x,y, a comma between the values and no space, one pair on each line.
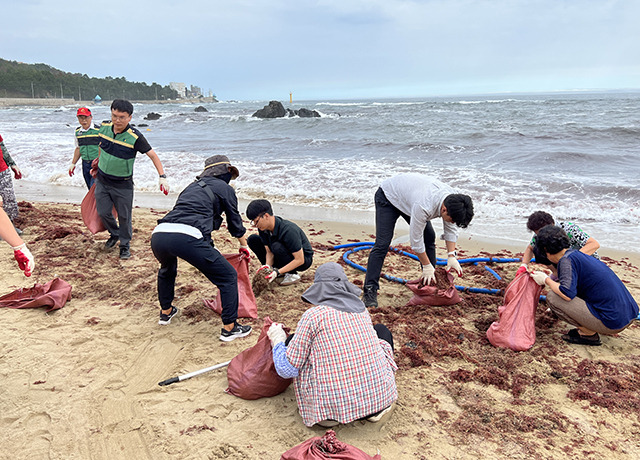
345,371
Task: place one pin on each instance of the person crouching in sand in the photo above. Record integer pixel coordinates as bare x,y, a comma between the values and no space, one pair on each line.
588,294
343,366
185,232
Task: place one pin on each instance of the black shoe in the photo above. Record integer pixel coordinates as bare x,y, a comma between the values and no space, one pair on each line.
370,297
166,319
111,242
575,337
125,253
237,331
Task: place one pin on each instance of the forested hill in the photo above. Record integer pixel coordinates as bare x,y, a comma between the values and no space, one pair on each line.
43,81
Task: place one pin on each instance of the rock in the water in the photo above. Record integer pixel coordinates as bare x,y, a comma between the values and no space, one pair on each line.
275,109
306,113
152,116
200,109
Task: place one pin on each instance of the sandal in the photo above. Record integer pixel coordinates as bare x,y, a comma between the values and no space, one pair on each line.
574,337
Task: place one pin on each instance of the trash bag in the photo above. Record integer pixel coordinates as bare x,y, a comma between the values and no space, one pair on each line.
89,212
516,326
247,307
54,294
252,374
326,447
443,292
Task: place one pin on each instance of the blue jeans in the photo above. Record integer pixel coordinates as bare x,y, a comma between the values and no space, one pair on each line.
386,217
86,168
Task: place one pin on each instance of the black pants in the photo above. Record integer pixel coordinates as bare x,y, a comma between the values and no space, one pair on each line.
167,247
107,198
281,255
386,217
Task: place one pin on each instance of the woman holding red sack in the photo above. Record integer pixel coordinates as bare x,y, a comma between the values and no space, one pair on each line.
20,252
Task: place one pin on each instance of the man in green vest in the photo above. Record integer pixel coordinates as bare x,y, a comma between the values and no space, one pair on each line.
87,140
119,144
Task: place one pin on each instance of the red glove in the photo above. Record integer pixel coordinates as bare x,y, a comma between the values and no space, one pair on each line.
523,268
24,258
263,267
16,172
244,251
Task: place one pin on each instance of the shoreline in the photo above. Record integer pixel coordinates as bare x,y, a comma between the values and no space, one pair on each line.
346,221
57,102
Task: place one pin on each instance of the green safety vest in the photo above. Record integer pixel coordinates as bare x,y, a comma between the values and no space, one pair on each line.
117,152
88,142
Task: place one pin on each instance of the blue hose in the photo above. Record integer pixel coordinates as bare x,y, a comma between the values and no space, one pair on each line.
367,245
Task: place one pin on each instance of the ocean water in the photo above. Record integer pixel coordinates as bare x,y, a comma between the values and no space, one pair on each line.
576,155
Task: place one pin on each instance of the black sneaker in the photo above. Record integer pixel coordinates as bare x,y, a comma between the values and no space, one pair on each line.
111,242
237,331
370,297
166,319
125,253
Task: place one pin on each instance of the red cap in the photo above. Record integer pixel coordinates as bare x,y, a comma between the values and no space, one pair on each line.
84,111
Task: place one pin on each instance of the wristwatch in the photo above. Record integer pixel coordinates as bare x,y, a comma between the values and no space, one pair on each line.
452,254
164,176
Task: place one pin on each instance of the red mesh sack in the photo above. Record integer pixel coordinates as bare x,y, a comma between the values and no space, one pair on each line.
53,294
516,326
326,447
443,292
252,374
89,212
247,307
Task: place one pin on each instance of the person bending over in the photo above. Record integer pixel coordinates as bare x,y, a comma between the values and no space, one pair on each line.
578,239
417,199
588,294
342,366
185,233
280,244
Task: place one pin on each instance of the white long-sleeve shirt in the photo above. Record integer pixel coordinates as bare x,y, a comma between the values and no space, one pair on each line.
421,198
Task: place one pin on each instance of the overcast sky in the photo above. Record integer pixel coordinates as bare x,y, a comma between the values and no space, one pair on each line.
335,49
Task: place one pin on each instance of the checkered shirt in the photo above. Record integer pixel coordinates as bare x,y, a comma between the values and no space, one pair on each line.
345,371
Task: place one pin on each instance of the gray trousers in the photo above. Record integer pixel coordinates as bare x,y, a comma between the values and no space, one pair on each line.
107,198
576,313
9,202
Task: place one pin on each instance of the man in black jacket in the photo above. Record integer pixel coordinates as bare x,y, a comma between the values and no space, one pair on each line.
185,232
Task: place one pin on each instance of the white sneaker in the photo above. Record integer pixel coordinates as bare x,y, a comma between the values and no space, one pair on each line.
290,278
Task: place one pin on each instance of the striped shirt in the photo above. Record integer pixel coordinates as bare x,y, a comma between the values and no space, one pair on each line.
345,371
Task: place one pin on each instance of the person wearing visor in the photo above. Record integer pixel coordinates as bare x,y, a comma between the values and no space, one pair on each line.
185,233
87,140
342,365
418,199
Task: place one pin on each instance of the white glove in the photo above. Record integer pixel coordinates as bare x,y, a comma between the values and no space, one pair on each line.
72,168
273,275
24,258
164,185
539,277
453,264
276,334
428,274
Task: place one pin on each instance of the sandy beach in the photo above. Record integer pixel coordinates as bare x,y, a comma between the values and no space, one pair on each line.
82,382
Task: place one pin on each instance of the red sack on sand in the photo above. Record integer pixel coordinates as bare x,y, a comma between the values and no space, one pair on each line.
252,374
247,307
90,214
326,447
516,327
443,292
53,294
